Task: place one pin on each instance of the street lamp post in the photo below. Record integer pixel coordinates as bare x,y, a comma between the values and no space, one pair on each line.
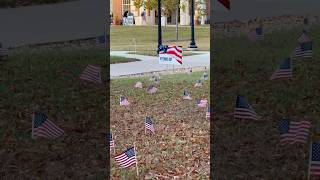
159,24
192,43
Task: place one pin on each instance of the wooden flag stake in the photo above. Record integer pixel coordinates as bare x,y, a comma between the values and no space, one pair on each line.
32,126
310,154
114,146
134,148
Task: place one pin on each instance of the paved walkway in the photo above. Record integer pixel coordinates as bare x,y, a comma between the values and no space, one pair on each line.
150,63
52,23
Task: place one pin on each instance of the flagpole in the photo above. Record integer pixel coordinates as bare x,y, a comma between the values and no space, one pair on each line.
134,148
310,154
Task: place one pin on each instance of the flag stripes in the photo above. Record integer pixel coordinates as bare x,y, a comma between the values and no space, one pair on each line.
294,132
43,127
127,158
92,74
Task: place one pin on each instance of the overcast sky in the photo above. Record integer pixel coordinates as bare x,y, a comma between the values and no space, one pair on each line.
249,9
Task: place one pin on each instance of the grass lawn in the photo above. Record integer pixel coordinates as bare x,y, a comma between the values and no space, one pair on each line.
146,37
154,53
181,142
48,81
118,59
250,150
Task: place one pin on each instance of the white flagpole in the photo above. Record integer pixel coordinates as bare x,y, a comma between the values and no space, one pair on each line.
134,148
32,126
114,146
145,130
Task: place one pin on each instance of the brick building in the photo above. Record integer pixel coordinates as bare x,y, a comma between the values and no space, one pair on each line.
202,12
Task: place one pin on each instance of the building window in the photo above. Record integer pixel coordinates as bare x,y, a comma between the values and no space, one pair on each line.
126,6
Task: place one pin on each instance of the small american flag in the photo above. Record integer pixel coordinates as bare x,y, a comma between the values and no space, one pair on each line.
92,74
4,52
293,132
243,110
304,50
198,84
101,41
43,127
138,84
304,38
124,101
201,103
111,141
314,165
149,124
205,76
208,112
152,89
186,95
284,71
256,34
172,50
127,158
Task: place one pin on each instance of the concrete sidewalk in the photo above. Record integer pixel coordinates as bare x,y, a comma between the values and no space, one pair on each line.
150,63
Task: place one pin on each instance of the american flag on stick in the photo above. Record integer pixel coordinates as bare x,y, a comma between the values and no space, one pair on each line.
284,71
198,84
152,89
205,76
124,101
294,132
101,41
303,50
256,34
208,112
149,124
43,127
127,158
92,74
186,95
243,110
4,52
111,140
172,50
202,102
304,38
314,160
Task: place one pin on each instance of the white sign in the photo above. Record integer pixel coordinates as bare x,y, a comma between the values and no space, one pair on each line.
166,59
129,21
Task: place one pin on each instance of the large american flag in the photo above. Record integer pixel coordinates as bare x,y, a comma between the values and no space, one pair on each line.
149,124
284,71
303,50
314,165
92,73
43,127
243,110
101,41
172,50
294,131
127,158
111,141
4,52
